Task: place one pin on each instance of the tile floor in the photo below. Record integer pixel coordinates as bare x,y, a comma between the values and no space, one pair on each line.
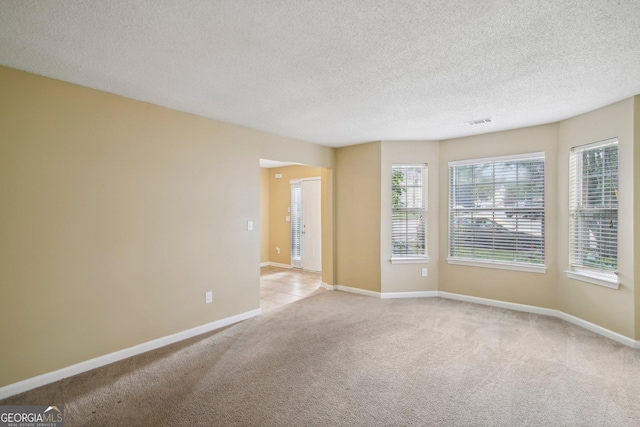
281,286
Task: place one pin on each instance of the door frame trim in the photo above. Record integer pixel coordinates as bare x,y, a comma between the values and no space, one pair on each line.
299,181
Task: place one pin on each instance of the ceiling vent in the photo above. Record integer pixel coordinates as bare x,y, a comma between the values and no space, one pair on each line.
479,121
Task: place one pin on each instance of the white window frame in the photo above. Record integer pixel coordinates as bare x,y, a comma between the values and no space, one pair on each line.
607,277
493,263
399,258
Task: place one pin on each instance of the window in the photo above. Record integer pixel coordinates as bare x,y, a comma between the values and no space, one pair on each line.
408,212
296,224
593,209
496,212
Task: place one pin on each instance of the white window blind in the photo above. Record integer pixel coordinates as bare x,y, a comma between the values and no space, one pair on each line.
496,210
408,210
593,208
296,222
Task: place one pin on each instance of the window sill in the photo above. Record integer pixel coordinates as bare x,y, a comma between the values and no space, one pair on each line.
409,260
595,279
498,265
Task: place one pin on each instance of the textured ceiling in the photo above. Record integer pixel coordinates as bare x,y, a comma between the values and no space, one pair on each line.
265,163
339,72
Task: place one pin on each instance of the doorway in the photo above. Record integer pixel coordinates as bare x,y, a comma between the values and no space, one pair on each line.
306,224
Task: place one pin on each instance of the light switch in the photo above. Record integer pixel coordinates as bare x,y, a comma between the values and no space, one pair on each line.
287,218
250,225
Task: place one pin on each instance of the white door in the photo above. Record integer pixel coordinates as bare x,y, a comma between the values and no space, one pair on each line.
311,253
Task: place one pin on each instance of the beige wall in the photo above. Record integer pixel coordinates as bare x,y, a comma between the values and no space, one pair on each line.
513,286
279,204
612,309
116,217
358,216
264,215
408,277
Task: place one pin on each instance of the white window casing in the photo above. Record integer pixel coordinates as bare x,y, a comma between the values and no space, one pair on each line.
408,213
593,213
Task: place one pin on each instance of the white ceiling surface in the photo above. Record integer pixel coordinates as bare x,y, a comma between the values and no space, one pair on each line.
339,72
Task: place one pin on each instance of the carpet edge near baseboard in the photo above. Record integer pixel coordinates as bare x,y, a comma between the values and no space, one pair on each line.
87,365
615,336
49,377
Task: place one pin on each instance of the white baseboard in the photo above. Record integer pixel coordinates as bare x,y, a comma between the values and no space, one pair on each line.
419,294
386,295
598,329
356,291
501,304
327,286
275,264
78,368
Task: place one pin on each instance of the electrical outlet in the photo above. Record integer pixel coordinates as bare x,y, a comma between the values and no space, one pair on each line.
208,297
250,225
287,218
424,272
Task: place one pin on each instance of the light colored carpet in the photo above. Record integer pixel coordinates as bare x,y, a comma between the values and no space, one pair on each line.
337,359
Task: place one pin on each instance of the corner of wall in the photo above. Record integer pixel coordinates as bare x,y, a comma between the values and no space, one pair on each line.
408,278
358,216
609,308
264,215
510,286
636,207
